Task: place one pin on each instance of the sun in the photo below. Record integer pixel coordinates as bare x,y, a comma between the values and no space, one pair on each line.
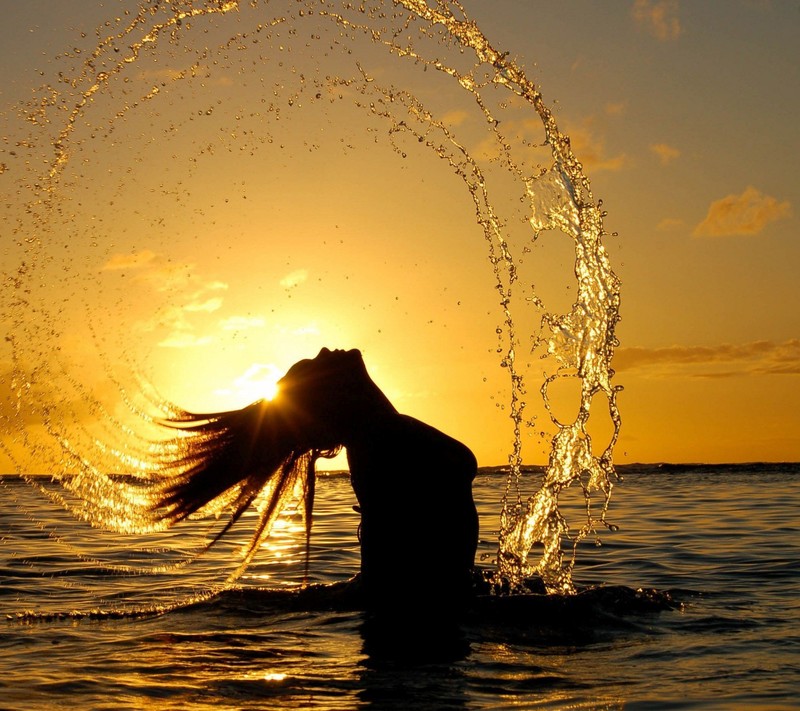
258,382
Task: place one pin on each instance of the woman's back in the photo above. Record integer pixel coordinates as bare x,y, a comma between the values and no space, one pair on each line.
419,528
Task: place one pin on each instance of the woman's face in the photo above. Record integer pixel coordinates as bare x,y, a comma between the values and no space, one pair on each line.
326,368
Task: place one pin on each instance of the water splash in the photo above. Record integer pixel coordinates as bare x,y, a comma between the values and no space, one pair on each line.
161,79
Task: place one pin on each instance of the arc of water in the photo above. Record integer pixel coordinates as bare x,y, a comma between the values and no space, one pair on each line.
582,341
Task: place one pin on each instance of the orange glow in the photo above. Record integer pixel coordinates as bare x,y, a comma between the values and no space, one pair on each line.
214,224
258,382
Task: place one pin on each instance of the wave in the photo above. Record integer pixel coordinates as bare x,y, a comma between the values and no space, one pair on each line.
533,609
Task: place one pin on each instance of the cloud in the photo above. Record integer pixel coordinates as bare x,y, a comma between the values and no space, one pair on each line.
454,118
590,149
727,360
294,278
208,305
184,339
527,139
177,320
745,214
241,323
215,286
258,381
168,277
189,296
134,260
659,18
182,331
666,154
161,274
668,224
309,329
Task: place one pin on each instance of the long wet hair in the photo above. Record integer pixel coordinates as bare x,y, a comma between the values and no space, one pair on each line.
233,460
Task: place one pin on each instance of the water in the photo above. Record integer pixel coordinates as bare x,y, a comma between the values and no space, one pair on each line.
723,539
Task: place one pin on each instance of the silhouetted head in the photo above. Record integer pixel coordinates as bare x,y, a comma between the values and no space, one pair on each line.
323,399
328,368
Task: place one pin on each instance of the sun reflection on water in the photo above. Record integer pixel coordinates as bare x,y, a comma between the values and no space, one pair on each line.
284,548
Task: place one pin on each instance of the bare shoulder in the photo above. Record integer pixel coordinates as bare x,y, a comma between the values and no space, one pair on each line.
436,444
397,444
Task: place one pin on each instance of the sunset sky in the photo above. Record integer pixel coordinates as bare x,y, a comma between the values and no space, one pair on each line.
224,214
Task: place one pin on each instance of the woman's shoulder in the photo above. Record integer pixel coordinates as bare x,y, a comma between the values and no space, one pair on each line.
439,444
412,438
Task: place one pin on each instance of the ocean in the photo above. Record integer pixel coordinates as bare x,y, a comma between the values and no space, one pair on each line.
94,620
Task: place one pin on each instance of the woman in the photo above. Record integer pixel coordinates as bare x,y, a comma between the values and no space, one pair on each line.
419,525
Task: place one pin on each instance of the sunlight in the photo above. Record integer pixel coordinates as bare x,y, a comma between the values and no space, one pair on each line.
258,382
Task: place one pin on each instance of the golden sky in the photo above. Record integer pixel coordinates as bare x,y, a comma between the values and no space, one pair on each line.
232,201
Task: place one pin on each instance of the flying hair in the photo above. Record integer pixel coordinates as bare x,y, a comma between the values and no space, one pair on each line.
231,460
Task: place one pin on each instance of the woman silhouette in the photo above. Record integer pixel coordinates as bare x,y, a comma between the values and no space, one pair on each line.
419,525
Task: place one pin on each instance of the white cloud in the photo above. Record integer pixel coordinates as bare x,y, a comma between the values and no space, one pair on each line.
310,329
208,305
184,339
258,381
161,274
294,278
241,323
215,286
189,295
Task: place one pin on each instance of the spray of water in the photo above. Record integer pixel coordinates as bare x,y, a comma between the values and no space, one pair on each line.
407,73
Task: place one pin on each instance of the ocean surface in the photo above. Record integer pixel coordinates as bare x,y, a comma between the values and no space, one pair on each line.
94,620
